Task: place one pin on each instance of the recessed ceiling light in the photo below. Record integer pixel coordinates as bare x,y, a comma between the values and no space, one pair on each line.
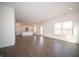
70,8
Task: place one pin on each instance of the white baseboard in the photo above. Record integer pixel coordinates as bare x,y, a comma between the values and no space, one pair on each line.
62,38
7,44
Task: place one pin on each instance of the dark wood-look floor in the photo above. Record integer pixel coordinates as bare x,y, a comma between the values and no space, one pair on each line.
38,46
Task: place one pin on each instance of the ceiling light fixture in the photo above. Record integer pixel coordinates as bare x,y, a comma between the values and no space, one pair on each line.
70,8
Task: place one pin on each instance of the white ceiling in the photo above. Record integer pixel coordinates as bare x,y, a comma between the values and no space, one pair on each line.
35,12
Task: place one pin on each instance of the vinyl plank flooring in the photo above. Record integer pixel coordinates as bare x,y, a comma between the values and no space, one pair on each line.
39,46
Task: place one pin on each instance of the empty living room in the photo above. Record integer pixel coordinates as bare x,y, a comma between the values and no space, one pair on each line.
39,29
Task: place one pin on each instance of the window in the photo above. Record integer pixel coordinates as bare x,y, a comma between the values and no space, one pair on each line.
58,28
64,28
67,28
34,29
41,30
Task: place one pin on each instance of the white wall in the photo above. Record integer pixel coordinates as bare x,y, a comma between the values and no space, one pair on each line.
49,27
7,26
21,28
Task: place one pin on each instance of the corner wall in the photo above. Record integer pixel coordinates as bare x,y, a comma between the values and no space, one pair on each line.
7,26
